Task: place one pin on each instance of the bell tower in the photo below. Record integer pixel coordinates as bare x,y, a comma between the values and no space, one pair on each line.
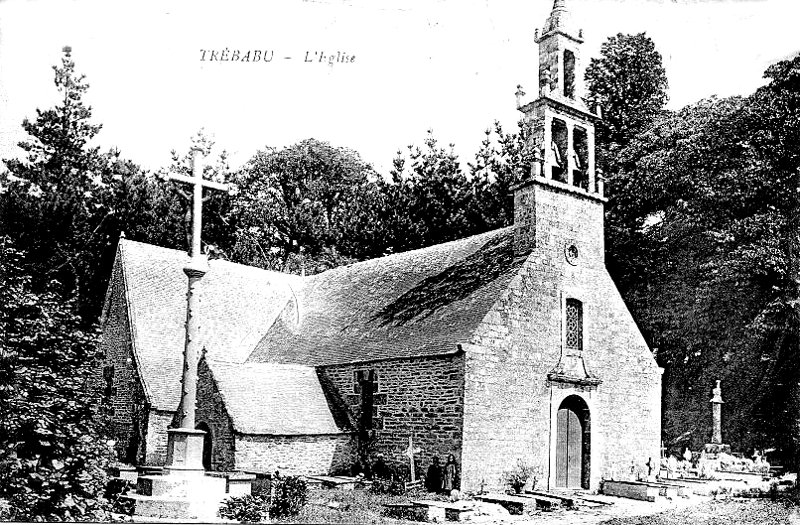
562,128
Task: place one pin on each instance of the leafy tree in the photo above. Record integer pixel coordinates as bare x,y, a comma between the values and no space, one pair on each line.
682,189
629,84
707,198
52,453
774,117
291,205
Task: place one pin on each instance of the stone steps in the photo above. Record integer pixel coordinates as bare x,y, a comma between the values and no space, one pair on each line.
183,497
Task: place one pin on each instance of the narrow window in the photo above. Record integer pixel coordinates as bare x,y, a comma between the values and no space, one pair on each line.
108,376
366,385
574,331
569,74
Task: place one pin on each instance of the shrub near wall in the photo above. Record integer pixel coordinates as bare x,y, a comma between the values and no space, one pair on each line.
286,497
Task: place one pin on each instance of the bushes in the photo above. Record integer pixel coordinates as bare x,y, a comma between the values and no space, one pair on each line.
289,494
53,455
286,497
246,509
517,477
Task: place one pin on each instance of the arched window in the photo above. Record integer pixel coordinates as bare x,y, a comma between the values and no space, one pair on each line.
574,325
580,162
559,150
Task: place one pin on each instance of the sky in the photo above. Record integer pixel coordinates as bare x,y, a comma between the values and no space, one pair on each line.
404,66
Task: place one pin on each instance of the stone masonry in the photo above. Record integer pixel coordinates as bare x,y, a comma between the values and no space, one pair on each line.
233,450
297,455
211,411
419,396
140,432
127,397
509,401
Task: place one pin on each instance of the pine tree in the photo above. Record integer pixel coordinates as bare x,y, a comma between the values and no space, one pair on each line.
52,205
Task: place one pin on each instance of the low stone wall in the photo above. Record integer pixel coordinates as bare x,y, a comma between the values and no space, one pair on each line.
296,455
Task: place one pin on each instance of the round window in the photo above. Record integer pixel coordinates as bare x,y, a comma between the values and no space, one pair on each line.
571,252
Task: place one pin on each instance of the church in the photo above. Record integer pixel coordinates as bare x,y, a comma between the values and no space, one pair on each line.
513,345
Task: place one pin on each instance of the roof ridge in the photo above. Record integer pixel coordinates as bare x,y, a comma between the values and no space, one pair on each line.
259,364
414,252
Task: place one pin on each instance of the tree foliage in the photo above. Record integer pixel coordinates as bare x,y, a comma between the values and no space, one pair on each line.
629,83
701,213
51,202
294,206
52,454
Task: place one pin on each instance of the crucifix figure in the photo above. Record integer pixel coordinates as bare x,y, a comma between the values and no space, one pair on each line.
185,443
194,213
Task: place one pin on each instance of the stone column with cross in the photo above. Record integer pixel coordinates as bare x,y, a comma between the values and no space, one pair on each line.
185,443
716,414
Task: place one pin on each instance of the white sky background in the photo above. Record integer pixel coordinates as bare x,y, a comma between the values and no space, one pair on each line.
449,65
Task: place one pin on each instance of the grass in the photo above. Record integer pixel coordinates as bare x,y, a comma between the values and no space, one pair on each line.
355,506
364,507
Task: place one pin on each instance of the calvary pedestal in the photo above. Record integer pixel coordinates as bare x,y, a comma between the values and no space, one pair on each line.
185,491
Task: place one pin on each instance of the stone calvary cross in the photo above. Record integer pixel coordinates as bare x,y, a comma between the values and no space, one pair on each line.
185,443
409,453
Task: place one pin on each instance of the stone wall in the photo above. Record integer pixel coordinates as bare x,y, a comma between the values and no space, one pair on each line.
211,411
510,404
419,396
295,455
127,399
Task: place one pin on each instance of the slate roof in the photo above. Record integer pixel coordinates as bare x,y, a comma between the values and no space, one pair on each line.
273,399
233,301
421,302
417,303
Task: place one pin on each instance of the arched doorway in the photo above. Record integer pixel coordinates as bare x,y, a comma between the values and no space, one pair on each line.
207,443
573,444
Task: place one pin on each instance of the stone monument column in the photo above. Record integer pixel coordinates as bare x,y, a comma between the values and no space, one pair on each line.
716,447
716,414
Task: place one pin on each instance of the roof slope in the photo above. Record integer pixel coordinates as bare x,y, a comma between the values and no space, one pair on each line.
415,303
236,305
273,399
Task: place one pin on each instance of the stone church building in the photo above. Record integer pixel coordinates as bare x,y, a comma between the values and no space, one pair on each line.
510,345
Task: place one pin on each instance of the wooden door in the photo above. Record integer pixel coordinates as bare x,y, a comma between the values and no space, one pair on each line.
569,448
